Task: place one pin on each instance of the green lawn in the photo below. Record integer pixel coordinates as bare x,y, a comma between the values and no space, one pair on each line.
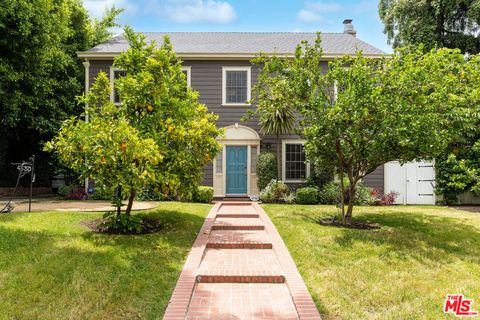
402,271
53,268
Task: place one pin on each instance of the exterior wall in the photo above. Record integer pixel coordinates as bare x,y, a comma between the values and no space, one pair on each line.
206,78
375,179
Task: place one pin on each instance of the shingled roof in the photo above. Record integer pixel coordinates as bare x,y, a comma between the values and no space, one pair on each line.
240,43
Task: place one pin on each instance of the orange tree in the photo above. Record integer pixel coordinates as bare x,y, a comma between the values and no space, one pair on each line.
159,136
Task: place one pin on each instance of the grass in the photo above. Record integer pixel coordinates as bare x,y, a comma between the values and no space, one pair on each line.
53,268
402,271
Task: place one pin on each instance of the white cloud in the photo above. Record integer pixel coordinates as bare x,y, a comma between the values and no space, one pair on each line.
312,11
321,7
309,16
186,11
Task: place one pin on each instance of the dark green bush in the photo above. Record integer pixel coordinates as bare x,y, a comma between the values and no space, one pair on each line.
149,194
203,195
266,169
63,191
125,224
102,193
274,192
307,195
331,194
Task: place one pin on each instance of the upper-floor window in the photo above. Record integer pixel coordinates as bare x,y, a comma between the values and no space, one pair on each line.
187,71
236,85
114,75
295,166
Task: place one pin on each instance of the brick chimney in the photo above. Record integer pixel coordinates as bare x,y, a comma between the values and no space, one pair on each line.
348,27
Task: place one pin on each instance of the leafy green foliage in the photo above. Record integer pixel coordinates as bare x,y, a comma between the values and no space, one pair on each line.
266,169
330,193
437,23
125,224
410,106
102,193
41,74
158,103
290,198
107,148
203,194
274,192
458,172
307,195
276,115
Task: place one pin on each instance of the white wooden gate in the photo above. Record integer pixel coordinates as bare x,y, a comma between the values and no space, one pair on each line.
414,182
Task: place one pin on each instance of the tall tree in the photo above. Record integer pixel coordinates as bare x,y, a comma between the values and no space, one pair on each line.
40,73
435,23
363,112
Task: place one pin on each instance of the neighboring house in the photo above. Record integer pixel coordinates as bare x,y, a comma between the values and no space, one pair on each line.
217,65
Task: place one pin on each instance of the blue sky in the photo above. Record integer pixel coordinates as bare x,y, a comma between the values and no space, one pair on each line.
249,15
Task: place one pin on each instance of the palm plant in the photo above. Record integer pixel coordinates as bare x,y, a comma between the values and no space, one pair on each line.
276,118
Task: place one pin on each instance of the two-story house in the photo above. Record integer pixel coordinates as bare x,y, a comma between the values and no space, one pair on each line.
217,65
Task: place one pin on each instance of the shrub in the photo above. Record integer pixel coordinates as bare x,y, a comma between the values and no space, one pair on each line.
307,195
363,195
320,177
76,193
203,194
382,199
148,194
274,192
330,194
266,169
122,223
102,193
289,198
65,190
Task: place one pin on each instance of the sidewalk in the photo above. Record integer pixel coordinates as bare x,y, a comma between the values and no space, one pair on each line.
239,268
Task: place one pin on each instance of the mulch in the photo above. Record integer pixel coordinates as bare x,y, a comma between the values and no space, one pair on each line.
149,225
355,224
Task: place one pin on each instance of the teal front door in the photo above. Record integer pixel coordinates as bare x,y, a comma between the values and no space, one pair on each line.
236,170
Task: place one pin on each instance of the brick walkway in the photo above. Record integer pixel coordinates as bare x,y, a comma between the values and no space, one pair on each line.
239,268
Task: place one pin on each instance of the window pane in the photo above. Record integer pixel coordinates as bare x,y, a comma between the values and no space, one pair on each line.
295,167
219,163
236,86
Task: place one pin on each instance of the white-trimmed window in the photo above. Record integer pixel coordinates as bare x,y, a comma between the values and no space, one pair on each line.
187,70
236,86
295,167
115,73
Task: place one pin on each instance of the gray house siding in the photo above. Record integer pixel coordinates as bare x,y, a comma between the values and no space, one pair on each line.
375,179
206,78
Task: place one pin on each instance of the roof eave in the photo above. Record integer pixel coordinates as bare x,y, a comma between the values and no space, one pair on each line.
215,56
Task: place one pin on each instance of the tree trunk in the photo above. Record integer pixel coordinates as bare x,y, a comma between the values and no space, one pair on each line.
119,200
133,193
348,215
279,161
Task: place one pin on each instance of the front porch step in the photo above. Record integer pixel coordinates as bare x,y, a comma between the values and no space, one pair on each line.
240,266
239,239
238,224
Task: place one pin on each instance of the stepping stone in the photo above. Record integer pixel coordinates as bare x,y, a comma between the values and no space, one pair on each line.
240,266
239,239
238,224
